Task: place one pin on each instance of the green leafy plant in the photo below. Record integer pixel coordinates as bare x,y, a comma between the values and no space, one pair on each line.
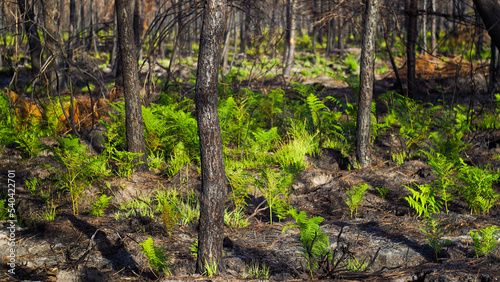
424,200
157,257
210,268
4,212
443,170
50,213
314,240
32,185
354,265
256,270
434,230
274,186
76,177
125,162
383,191
355,197
351,63
485,240
235,218
194,248
477,187
100,205
241,184
178,160
291,156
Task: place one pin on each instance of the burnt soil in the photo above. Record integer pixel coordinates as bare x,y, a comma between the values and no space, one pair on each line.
384,233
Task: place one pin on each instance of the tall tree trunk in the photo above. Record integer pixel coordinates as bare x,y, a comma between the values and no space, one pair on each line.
340,33
245,17
433,27
412,14
290,37
27,9
81,23
138,24
315,26
133,112
52,37
211,232
424,26
490,13
479,35
366,84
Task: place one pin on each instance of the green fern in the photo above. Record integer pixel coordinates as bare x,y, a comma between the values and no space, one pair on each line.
434,230
477,187
157,257
485,240
274,186
314,240
355,197
424,201
101,204
443,170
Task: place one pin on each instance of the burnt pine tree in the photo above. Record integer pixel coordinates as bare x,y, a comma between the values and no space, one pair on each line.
56,76
213,194
490,13
27,10
366,83
290,36
134,125
411,29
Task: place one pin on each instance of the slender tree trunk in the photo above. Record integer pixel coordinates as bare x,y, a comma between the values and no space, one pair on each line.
52,36
133,112
412,14
81,23
290,37
479,35
211,232
424,26
433,27
225,51
315,26
27,9
340,32
138,21
243,32
366,84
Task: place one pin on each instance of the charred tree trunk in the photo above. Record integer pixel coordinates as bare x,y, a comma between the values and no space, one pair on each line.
290,37
133,112
57,78
366,84
433,27
412,14
213,175
490,13
27,10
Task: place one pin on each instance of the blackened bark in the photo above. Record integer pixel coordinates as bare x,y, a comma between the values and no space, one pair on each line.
490,13
433,27
27,10
290,37
412,14
128,54
366,84
57,78
211,226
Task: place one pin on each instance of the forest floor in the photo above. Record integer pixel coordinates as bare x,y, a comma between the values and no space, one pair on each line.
384,235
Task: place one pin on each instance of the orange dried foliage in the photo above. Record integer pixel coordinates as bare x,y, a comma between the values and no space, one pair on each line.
24,108
83,110
428,67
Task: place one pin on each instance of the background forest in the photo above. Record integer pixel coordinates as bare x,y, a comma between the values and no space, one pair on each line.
360,139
